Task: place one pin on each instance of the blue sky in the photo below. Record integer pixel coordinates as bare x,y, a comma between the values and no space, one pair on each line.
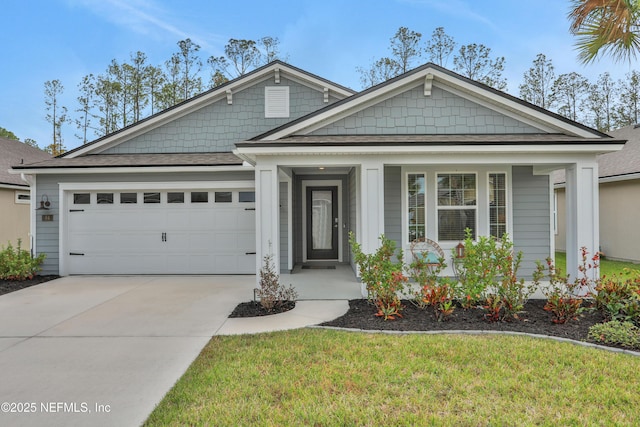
67,39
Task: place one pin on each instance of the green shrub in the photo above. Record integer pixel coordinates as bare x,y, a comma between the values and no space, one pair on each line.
489,277
564,298
382,275
625,334
18,264
477,269
618,297
510,294
435,291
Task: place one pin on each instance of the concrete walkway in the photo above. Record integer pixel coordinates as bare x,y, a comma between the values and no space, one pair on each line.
103,351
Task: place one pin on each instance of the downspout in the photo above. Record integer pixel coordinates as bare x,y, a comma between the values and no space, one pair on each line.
31,180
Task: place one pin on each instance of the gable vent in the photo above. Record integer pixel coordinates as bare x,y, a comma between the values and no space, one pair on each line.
276,101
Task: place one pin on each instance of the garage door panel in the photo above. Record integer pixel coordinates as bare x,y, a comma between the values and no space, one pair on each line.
161,238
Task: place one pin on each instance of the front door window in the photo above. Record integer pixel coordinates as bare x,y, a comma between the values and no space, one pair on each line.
322,223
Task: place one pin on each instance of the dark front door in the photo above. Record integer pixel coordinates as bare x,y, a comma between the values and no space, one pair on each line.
322,223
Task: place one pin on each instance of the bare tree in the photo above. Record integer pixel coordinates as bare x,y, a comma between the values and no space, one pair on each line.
474,61
440,47
538,82
56,116
569,90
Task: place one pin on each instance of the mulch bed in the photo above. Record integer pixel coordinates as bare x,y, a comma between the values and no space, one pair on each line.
534,320
7,286
255,309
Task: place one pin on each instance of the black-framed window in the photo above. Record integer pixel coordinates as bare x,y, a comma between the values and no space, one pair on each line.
152,197
247,196
128,198
223,197
104,198
81,198
175,197
199,197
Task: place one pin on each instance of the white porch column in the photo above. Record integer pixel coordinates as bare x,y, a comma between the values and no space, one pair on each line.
267,216
582,213
372,205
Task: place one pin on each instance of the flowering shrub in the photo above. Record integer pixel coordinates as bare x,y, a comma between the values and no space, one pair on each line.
18,264
435,291
563,295
382,275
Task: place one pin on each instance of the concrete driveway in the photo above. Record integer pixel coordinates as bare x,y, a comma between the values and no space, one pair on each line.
95,351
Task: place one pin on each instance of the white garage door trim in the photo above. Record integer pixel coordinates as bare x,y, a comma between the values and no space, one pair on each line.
67,188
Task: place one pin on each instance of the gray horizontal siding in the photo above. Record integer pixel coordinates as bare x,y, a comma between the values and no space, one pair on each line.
531,217
393,204
217,127
284,228
413,113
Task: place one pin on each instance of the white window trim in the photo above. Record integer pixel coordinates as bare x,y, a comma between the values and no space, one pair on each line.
457,208
482,203
509,205
23,201
405,204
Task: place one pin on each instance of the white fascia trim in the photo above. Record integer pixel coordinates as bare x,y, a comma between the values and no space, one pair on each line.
158,169
628,177
494,101
170,185
15,187
346,109
249,152
195,104
318,85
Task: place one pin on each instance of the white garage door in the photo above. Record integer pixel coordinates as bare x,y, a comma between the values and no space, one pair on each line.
161,232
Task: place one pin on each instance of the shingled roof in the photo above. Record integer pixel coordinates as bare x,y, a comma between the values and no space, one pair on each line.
14,153
137,160
618,164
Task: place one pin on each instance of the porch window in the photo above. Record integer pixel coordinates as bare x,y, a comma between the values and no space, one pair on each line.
497,204
416,209
457,205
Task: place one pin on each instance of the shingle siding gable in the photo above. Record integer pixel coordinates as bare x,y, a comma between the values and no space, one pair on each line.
216,127
413,113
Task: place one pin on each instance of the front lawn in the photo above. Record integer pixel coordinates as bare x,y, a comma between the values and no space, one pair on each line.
607,267
336,378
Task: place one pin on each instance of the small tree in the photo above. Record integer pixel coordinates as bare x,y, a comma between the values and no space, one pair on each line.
271,293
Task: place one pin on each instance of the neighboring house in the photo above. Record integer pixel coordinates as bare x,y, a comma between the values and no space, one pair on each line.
15,196
619,181
283,162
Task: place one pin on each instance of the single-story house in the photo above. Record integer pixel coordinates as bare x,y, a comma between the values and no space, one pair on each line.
15,195
619,181
283,162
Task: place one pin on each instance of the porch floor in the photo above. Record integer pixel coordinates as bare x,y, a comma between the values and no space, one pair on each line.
323,284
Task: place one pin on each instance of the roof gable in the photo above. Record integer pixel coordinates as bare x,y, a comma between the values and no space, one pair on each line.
274,72
431,82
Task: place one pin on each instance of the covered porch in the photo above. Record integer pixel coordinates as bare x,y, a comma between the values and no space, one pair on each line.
406,196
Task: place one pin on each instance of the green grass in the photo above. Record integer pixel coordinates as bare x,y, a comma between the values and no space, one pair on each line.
335,378
607,267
